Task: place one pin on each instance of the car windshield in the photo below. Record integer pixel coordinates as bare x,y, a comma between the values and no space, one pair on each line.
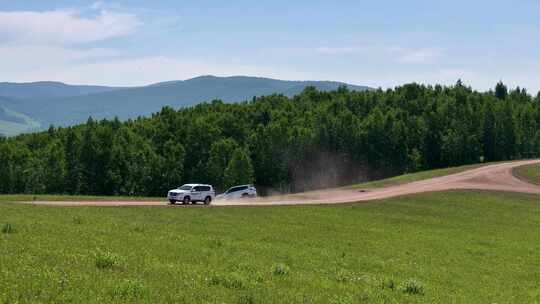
184,187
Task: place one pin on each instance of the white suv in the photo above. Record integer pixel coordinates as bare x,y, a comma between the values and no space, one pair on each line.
235,192
192,193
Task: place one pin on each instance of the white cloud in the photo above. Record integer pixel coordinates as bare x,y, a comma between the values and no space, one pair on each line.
29,55
95,67
63,27
98,5
57,45
42,62
338,50
417,55
105,66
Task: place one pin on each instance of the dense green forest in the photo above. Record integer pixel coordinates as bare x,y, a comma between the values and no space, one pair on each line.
312,140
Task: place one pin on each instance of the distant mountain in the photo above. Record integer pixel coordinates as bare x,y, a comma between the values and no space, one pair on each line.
47,90
61,104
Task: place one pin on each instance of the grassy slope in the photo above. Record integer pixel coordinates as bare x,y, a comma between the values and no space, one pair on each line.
466,247
73,198
18,123
530,173
412,177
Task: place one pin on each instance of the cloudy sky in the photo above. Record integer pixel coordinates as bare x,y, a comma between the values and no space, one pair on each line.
375,43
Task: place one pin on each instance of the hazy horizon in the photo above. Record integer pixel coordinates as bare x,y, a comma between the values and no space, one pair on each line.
384,44
252,76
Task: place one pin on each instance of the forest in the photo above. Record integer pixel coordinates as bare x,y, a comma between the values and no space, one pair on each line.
312,140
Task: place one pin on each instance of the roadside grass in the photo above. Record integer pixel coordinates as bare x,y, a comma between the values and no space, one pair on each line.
457,247
73,198
528,173
417,176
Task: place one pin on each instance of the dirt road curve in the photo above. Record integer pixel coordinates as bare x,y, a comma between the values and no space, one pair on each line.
493,177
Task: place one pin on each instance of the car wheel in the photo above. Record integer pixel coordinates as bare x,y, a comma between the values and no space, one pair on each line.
172,202
186,200
207,200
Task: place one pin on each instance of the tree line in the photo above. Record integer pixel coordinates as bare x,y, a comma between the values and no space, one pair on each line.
311,140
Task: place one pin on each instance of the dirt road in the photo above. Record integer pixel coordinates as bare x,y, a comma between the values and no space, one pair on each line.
492,177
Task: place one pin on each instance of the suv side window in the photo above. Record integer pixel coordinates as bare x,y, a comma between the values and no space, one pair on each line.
197,188
236,189
204,188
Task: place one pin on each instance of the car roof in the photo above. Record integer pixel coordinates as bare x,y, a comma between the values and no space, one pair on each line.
193,185
242,186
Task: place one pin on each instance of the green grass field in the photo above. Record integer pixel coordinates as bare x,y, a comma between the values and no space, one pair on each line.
530,173
73,198
417,176
452,247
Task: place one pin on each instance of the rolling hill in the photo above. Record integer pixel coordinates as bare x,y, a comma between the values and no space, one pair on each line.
13,122
62,105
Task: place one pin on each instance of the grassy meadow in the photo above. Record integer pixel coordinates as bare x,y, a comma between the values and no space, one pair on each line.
448,247
529,173
74,198
417,176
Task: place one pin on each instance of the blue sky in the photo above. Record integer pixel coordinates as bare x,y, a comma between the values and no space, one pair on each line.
376,43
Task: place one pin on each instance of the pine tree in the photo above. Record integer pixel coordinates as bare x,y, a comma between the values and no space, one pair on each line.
174,164
221,154
6,161
501,91
508,129
490,140
73,166
239,170
89,159
55,168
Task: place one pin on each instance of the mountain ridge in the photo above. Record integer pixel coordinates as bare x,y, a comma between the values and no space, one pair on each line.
47,89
